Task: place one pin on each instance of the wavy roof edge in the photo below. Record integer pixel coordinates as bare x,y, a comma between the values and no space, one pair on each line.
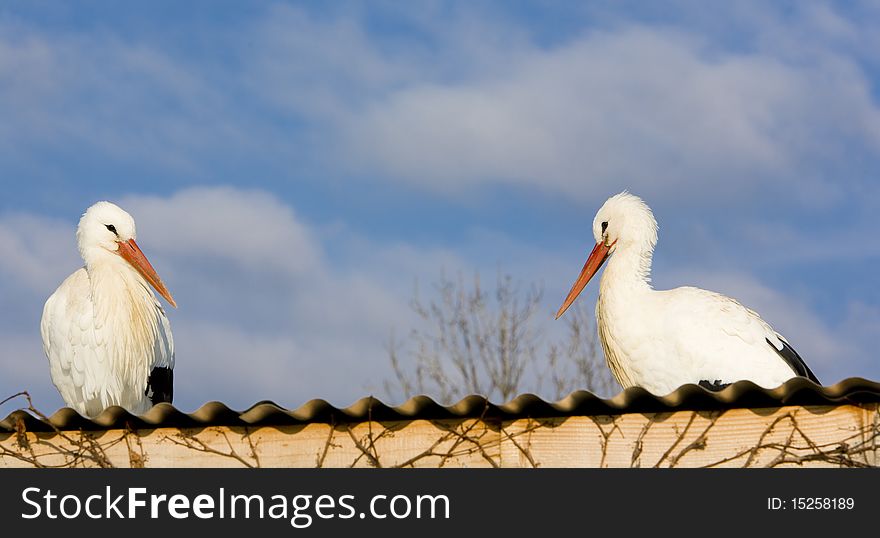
742,394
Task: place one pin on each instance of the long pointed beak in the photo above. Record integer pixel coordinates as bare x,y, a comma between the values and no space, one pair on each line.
131,253
594,262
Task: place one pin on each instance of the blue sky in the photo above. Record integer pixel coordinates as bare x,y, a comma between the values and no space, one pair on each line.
295,167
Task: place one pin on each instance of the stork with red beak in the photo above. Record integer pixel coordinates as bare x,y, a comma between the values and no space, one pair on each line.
662,339
107,338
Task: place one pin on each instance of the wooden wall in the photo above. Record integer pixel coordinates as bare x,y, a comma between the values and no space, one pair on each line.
845,435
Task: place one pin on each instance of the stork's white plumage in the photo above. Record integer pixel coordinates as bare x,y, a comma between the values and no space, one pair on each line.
106,336
661,340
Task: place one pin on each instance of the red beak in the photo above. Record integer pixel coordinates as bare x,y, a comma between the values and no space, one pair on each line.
594,262
131,253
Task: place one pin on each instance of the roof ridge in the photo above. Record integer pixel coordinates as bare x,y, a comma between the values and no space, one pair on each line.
742,394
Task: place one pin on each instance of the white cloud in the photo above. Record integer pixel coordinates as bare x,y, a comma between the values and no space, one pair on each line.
239,227
35,250
666,110
218,361
112,94
309,67
852,238
655,110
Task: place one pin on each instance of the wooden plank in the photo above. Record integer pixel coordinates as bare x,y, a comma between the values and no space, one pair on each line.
845,435
420,443
789,436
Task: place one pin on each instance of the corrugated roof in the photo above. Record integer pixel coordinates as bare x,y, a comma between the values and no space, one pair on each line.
743,394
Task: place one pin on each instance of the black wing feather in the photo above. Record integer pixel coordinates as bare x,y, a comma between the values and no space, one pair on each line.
160,385
791,357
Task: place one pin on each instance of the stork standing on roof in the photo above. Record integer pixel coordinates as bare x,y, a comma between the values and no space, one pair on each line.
106,335
662,339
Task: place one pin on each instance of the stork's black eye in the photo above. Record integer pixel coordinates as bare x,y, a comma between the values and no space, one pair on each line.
604,226
112,229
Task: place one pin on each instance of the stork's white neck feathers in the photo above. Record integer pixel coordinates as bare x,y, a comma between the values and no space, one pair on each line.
627,269
126,308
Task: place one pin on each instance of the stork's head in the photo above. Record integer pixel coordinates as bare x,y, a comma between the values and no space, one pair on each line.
106,231
623,222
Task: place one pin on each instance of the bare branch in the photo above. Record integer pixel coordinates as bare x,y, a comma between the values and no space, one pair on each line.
468,341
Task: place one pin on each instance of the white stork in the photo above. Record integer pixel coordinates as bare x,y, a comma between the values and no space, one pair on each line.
662,339
107,337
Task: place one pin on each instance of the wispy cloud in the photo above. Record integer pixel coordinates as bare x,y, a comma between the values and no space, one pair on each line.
658,111
111,95
663,109
35,249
